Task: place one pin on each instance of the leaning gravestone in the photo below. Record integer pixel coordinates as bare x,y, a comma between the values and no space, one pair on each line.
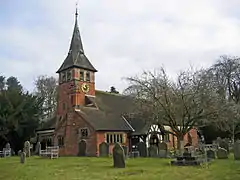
211,154
162,150
22,157
82,147
153,151
142,148
104,149
236,150
118,156
222,153
27,148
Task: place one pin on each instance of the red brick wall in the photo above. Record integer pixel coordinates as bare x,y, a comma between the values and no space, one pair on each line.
74,121
101,138
71,138
193,133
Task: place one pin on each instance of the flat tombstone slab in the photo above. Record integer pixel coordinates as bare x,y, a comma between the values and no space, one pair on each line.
236,150
82,147
118,156
222,153
104,149
142,148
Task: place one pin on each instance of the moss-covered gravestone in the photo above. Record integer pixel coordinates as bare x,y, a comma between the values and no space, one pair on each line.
222,153
153,151
118,156
162,150
211,154
27,148
142,148
236,150
22,157
104,149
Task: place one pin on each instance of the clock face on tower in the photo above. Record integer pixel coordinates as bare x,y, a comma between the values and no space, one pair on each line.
85,87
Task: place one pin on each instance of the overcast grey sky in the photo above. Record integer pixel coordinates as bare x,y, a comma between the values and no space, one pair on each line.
120,37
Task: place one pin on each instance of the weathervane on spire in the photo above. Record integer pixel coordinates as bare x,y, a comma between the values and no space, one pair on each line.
76,14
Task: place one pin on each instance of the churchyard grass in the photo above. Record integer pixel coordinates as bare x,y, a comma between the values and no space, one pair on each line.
85,168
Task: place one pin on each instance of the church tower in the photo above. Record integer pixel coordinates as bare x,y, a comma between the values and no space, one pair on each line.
76,75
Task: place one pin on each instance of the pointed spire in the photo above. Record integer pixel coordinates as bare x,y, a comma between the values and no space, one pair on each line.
76,43
76,56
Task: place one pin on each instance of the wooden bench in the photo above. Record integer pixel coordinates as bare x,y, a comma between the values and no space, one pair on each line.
51,152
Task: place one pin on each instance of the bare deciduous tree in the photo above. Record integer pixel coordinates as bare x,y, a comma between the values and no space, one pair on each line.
183,104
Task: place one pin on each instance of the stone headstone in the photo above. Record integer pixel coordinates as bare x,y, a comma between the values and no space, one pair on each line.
153,151
224,144
22,157
142,148
162,150
38,148
222,153
82,147
27,148
118,156
104,149
236,150
19,153
211,154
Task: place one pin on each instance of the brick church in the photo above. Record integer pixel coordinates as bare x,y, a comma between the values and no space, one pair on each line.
86,117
